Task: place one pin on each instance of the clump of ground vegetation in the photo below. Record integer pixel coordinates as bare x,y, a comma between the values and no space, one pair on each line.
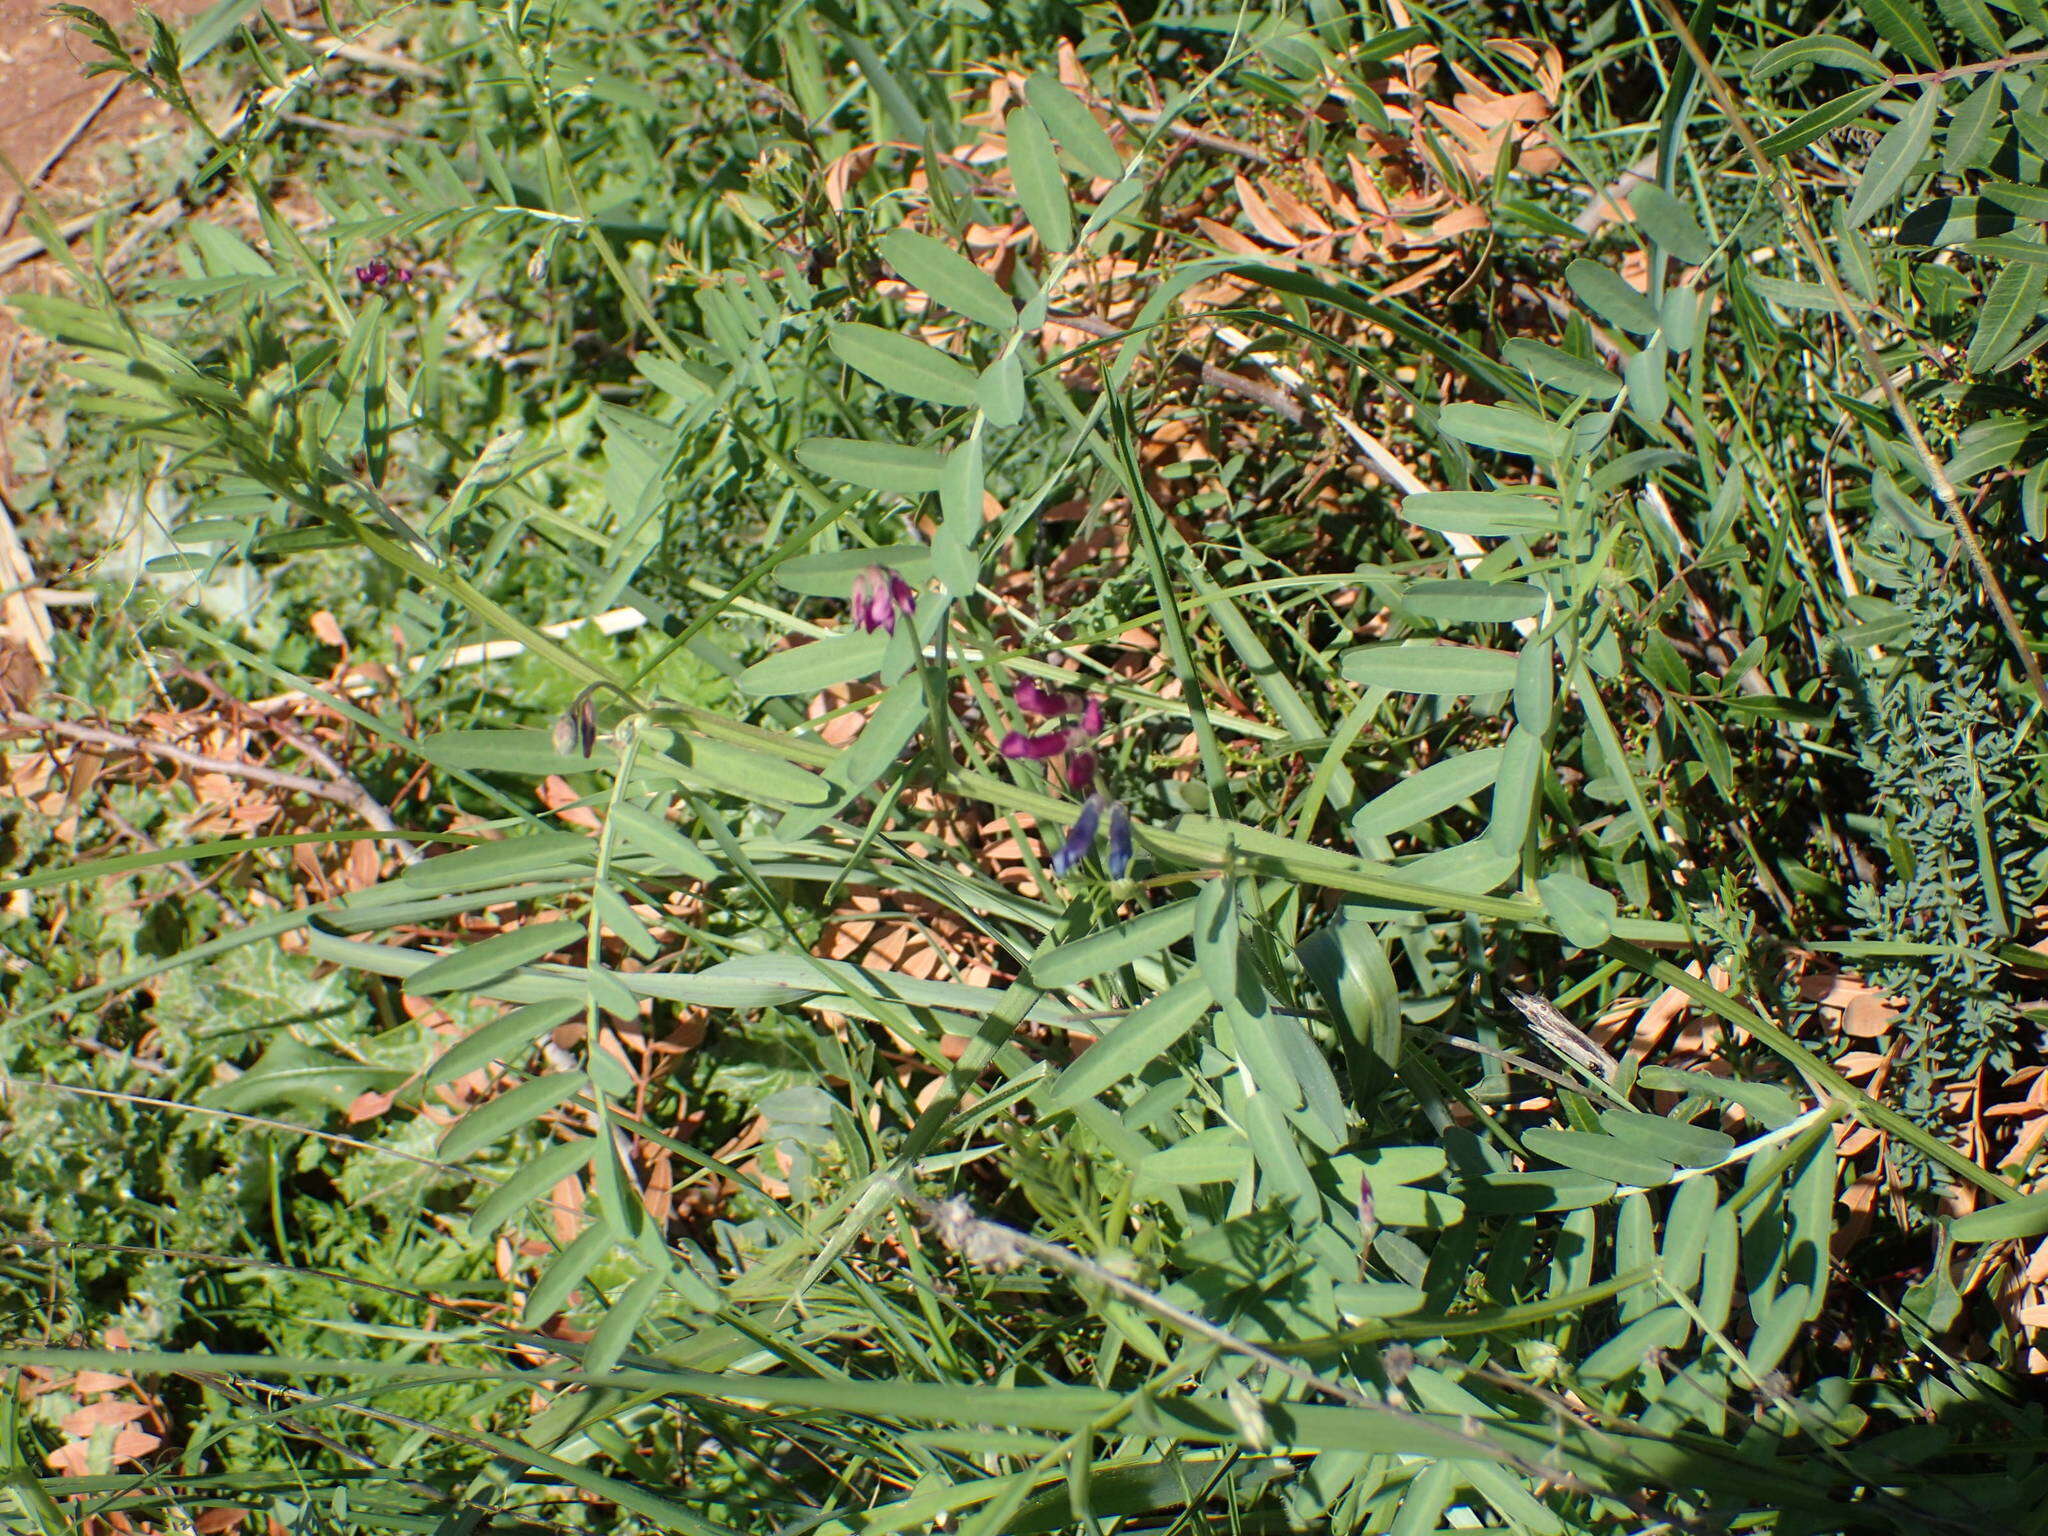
1037,767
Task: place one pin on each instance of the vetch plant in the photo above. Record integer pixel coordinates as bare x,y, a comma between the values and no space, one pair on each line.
1078,742
688,1003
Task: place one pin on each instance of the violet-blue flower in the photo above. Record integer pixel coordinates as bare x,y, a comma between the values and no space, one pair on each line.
1119,840
1081,839
1075,739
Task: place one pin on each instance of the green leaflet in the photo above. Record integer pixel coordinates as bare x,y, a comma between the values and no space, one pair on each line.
1905,26
477,965
1496,513
1822,50
812,668
1670,224
948,277
1148,1032
503,1040
1433,790
1601,1156
873,466
509,1112
1562,371
1673,1141
1584,913
1430,668
529,1183
903,363
1074,126
1896,158
1115,946
1612,297
1347,960
1041,186
832,574
1505,430
1997,1223
1473,602
2011,304
1811,124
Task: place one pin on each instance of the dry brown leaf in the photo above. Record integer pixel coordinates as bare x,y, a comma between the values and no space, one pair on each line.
81,1422
1866,1016
126,1445
844,171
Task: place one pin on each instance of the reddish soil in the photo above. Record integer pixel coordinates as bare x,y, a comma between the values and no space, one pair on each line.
44,93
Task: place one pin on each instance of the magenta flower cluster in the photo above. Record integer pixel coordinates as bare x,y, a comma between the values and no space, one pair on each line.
380,274
880,597
1075,740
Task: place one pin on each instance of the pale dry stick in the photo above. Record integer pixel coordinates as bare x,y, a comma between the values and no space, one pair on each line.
55,597
1467,548
1190,134
345,792
15,252
310,748
1606,205
1274,400
155,222
359,131
991,1245
369,58
615,621
22,613
1811,246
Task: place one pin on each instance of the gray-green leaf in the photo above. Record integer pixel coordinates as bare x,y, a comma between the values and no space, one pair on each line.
948,277
1430,668
1670,224
1896,158
904,364
1041,185
1584,914
873,466
1505,430
1074,126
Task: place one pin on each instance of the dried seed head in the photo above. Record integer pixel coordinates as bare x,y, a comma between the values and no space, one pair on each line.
1250,1415
983,1244
576,728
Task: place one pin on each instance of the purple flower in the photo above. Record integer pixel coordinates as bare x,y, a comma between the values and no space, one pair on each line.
1034,748
1035,699
880,597
377,274
1075,739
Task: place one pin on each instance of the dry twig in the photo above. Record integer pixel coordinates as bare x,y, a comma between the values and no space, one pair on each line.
344,791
